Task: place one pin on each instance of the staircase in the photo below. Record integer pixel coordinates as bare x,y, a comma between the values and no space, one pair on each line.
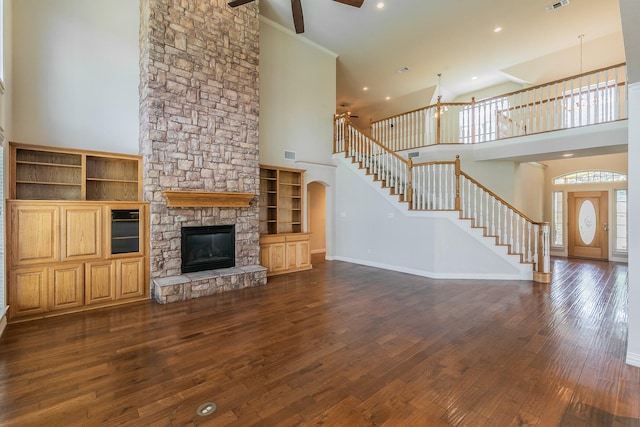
444,187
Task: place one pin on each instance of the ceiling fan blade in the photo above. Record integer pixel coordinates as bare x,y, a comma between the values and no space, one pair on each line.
236,3
298,19
355,3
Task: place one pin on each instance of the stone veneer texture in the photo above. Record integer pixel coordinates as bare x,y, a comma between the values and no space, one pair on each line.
199,109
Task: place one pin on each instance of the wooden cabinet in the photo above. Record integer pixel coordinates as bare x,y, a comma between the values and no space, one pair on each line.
100,282
285,253
298,252
28,291
76,232
33,235
130,276
283,246
281,201
65,287
51,173
81,232
273,254
68,256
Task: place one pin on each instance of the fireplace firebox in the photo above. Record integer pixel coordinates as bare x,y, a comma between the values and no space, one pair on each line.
208,248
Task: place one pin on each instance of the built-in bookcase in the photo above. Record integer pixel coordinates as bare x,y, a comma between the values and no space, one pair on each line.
76,231
47,173
281,205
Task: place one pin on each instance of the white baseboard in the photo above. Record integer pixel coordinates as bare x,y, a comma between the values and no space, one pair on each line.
633,359
429,274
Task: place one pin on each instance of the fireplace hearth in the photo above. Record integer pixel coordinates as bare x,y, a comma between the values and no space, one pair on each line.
208,248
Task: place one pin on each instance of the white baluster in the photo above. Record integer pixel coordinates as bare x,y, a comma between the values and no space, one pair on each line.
493,216
475,204
498,223
445,188
511,235
524,230
481,209
536,231
529,242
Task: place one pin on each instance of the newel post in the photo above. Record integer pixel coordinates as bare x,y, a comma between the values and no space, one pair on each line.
543,266
458,182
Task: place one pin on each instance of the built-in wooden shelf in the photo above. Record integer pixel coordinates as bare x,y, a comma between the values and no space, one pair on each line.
199,199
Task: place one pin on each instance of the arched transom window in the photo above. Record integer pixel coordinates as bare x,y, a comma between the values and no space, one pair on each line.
589,177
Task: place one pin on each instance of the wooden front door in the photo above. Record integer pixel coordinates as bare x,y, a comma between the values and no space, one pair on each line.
588,224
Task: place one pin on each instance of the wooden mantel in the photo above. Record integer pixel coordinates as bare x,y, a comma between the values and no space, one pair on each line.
202,199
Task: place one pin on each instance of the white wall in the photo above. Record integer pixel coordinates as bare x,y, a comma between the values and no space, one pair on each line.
528,190
76,73
297,97
630,15
297,104
633,346
372,230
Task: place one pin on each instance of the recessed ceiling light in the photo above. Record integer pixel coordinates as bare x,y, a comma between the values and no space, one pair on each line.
380,5
474,78
567,155
387,98
497,29
365,88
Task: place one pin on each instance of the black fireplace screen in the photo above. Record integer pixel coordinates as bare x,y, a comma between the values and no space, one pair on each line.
208,248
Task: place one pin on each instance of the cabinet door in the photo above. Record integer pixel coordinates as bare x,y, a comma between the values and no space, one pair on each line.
303,254
272,256
100,281
82,232
27,291
298,252
66,287
34,234
130,281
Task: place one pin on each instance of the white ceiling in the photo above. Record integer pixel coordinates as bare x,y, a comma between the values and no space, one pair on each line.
454,38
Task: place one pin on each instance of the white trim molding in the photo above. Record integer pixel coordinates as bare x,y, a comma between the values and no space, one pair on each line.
633,359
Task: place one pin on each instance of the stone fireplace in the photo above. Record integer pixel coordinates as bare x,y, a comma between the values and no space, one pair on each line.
199,109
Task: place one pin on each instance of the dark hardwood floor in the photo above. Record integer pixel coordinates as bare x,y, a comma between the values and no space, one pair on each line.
341,345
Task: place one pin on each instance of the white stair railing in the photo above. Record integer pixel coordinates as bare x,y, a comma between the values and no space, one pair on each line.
386,165
444,186
598,96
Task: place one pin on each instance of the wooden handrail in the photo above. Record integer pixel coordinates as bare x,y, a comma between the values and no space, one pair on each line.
504,202
348,123
421,127
434,106
531,104
566,79
530,240
439,162
529,89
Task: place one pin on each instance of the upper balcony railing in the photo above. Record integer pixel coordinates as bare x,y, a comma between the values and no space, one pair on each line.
595,97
